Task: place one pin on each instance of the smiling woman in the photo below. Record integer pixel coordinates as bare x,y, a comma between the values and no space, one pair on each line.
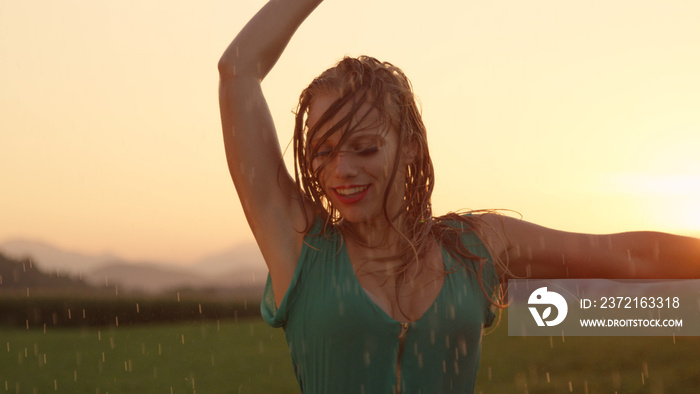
374,291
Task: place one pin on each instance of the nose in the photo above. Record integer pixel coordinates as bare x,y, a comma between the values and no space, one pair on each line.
344,165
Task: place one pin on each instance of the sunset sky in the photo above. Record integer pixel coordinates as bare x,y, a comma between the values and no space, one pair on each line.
582,116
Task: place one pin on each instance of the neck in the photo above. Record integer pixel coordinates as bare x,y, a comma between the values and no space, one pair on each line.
378,234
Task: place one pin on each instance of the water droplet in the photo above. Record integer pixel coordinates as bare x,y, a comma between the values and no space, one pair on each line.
462,344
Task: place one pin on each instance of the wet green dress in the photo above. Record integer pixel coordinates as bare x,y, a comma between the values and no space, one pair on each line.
342,342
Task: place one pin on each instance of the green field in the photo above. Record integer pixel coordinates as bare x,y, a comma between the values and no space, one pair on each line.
249,357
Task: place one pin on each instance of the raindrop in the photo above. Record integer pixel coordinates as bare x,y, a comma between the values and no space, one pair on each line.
462,344
657,250
571,387
548,379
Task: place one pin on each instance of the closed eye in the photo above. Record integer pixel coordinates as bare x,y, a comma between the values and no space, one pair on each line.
321,153
368,151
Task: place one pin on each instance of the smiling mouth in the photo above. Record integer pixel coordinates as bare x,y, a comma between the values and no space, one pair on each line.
348,191
350,194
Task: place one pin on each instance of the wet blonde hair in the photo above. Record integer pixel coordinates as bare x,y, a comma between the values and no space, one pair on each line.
366,80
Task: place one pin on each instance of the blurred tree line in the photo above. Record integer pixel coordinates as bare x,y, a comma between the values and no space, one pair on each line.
33,299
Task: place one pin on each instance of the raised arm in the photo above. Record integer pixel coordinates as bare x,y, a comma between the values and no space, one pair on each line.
541,253
267,192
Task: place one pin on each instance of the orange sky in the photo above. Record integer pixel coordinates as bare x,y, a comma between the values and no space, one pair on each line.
581,116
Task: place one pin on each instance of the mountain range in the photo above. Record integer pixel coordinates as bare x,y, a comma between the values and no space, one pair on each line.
239,267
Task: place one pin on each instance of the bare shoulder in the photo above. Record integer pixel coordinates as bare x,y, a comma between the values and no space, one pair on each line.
494,230
525,248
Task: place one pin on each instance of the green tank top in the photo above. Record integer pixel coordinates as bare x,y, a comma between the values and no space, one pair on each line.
342,342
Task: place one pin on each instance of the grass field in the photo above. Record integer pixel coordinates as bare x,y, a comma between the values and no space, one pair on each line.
249,357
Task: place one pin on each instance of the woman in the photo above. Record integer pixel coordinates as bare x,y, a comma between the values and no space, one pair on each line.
375,294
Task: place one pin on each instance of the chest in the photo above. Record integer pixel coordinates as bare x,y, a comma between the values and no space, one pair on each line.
334,307
403,291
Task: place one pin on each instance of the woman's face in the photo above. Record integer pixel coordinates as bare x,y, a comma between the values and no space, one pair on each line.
355,175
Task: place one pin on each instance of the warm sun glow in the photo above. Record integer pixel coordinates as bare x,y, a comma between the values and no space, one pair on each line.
671,201
583,116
